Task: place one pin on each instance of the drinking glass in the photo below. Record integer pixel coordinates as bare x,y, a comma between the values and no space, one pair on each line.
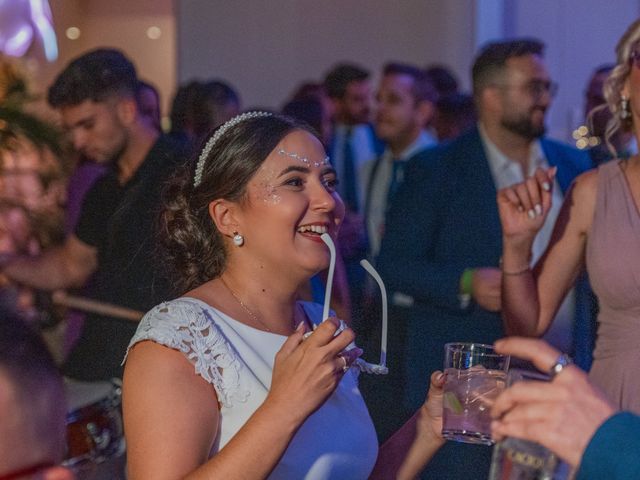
515,459
474,376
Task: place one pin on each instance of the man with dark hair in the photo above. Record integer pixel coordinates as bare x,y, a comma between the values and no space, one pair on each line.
148,100
215,103
353,143
443,80
32,405
442,244
405,102
181,114
455,114
349,89
114,238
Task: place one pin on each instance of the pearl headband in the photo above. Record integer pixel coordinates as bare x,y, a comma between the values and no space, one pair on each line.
197,178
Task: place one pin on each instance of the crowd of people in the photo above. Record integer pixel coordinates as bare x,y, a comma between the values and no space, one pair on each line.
214,229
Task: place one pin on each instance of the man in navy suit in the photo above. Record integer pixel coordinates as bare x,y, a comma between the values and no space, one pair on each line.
442,244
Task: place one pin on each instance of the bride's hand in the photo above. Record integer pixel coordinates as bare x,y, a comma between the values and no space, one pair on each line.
307,371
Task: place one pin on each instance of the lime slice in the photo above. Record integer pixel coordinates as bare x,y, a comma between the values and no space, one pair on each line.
451,402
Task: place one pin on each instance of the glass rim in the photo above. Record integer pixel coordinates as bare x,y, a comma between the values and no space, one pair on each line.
482,348
468,344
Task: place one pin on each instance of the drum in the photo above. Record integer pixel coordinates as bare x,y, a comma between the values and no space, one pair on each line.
95,441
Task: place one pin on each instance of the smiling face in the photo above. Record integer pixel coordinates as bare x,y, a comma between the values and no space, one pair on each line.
290,201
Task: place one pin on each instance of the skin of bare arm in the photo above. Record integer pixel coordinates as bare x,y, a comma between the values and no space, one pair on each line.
69,265
407,452
531,299
562,415
172,417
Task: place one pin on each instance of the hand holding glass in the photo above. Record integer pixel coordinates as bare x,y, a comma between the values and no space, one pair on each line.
475,375
515,459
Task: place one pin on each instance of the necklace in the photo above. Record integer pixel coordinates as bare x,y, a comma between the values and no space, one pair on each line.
253,316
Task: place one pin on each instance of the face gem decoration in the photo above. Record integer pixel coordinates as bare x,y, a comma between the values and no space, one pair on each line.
304,160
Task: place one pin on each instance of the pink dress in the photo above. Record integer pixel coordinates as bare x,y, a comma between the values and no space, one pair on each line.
613,263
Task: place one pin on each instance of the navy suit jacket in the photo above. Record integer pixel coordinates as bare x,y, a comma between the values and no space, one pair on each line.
444,219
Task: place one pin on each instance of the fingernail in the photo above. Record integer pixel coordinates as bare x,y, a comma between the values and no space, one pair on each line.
521,209
538,209
546,186
300,327
440,376
531,214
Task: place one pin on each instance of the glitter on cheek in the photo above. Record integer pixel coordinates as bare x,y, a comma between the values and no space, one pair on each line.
271,194
266,190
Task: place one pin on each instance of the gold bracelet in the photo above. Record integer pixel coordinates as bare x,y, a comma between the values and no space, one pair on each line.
519,272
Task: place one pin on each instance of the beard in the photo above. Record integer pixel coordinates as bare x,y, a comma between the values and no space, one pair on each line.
523,125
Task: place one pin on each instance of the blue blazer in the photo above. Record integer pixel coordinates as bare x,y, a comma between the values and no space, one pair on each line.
444,219
613,451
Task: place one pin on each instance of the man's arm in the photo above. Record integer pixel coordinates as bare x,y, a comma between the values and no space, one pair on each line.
68,265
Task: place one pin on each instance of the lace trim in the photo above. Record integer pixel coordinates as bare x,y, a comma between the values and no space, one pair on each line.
188,328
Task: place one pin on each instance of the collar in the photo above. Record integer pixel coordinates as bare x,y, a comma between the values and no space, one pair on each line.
422,142
500,162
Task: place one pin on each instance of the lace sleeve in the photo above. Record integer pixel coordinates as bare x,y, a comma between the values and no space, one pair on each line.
185,326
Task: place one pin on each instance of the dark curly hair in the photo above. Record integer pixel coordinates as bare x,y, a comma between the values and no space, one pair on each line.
192,245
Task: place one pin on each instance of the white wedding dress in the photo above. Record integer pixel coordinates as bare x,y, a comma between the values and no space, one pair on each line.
338,441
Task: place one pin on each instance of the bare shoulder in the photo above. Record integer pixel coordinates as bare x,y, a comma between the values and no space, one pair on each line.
142,368
586,184
161,396
582,198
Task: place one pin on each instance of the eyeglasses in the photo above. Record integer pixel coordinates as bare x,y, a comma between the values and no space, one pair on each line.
536,88
366,367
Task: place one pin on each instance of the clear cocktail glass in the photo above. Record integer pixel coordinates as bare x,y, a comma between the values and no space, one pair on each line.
474,376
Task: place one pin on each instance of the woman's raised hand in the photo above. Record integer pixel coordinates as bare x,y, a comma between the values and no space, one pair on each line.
524,206
307,371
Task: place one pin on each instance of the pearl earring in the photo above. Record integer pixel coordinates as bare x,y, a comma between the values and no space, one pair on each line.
625,110
238,239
